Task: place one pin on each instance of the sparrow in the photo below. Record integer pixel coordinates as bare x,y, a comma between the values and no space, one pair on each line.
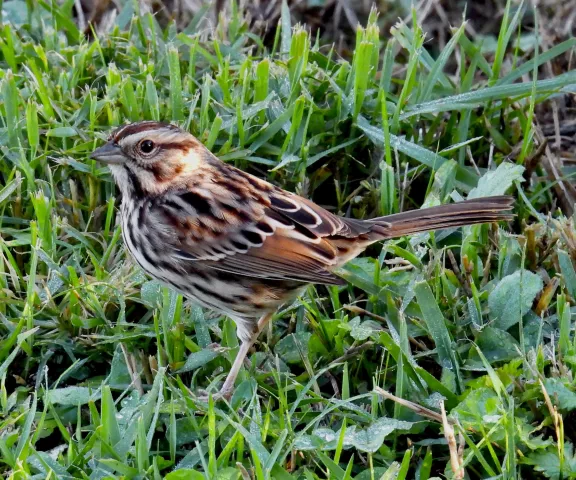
235,243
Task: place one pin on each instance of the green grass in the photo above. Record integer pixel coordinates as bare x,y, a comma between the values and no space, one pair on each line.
97,363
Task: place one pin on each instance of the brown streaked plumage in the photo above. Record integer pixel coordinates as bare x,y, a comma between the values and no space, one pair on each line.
236,243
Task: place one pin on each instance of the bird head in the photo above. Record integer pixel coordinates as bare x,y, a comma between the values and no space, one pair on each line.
146,158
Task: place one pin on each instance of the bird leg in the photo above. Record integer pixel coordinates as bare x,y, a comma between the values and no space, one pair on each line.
228,387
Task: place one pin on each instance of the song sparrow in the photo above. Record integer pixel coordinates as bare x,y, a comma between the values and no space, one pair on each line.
238,244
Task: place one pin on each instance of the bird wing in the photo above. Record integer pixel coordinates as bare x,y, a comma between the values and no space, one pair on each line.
253,230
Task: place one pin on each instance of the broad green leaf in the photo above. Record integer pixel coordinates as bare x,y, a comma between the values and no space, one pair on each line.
561,395
549,463
568,273
496,182
151,293
185,474
293,346
73,396
480,406
368,439
512,298
496,345
198,359
362,330
319,439
371,439
530,436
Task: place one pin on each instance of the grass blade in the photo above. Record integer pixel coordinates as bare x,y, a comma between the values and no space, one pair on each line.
437,328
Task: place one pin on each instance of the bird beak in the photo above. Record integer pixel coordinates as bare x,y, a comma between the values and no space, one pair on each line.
109,153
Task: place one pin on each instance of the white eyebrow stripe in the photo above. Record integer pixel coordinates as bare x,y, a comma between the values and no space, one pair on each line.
160,135
137,137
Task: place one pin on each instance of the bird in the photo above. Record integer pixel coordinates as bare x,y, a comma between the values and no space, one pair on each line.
235,243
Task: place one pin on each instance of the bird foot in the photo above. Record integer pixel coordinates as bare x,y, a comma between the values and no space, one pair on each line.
203,395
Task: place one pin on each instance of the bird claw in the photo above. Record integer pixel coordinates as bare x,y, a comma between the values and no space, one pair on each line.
203,395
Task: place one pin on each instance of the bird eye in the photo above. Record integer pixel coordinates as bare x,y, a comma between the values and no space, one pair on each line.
146,146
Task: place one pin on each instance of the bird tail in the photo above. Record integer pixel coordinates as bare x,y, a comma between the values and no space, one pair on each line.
469,212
